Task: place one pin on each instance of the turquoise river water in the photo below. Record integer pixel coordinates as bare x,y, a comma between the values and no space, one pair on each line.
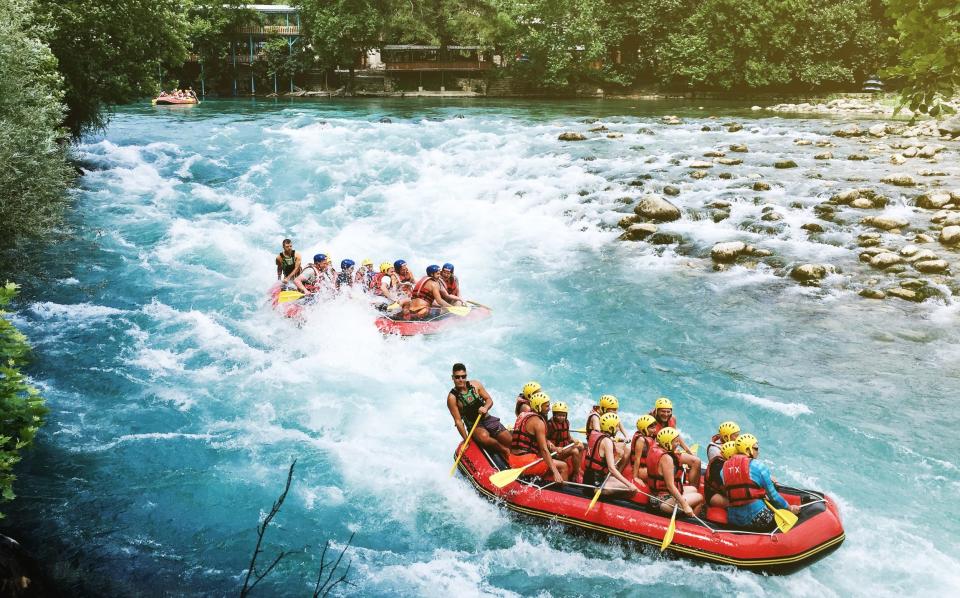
178,398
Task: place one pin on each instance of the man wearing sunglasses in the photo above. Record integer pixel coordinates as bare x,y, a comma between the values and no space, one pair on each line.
467,401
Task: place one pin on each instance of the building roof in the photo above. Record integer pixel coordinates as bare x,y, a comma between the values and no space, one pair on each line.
272,8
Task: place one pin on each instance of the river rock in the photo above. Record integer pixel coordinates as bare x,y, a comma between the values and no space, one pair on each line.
761,186
739,147
698,174
901,293
950,235
897,159
725,175
645,131
654,207
728,161
908,250
639,231
599,129
810,273
627,221
719,204
714,154
922,255
932,266
884,222
571,136
614,135
933,201
851,130
755,108
885,260
784,164
720,215
900,180
872,294
823,156
858,157
728,252
700,164
910,152
671,190
950,126
877,130
772,217
670,119
922,238
734,127
929,151
812,227
802,142
928,172
861,203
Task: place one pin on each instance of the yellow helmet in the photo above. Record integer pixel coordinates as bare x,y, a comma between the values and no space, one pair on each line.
559,407
747,444
529,388
538,400
608,402
666,436
385,267
645,421
728,449
728,429
663,403
366,262
609,422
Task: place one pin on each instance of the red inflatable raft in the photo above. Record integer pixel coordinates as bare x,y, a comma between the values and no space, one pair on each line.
172,101
817,532
438,321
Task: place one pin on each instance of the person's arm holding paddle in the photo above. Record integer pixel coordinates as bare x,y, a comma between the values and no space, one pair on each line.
296,268
487,399
540,432
667,471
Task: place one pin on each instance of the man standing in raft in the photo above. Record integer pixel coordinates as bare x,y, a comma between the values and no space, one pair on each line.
663,412
529,442
601,463
288,263
665,475
467,400
748,484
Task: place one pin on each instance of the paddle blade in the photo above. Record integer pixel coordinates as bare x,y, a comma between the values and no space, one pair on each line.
580,430
596,496
671,530
694,449
785,519
507,476
288,296
393,306
458,310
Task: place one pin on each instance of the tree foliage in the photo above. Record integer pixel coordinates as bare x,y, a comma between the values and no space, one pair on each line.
928,47
34,173
339,30
21,407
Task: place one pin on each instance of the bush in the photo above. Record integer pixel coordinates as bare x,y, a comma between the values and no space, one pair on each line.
35,172
21,407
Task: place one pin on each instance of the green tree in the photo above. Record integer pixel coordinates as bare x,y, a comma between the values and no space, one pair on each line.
209,28
339,31
928,47
34,173
21,407
109,51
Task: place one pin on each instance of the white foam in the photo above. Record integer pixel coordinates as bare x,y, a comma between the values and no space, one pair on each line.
790,409
77,311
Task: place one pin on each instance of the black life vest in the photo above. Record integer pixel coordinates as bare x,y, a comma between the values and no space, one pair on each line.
713,481
469,402
287,263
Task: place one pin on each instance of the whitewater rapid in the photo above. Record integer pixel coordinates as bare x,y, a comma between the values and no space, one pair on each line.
179,398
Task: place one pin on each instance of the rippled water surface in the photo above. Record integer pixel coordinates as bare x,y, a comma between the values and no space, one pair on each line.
179,398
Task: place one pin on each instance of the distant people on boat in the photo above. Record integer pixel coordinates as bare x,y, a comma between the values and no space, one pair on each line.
346,275
529,446
559,439
600,463
384,284
640,445
663,412
608,404
666,476
288,263
713,479
469,400
748,486
726,432
451,283
365,274
523,399
316,276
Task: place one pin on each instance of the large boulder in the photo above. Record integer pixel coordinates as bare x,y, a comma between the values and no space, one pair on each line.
639,232
950,126
900,180
905,294
885,260
933,201
739,147
728,252
654,207
784,164
851,130
571,136
932,266
877,130
810,273
950,235
700,164
885,222
929,151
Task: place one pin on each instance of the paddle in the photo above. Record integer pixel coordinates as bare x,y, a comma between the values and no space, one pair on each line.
458,310
479,305
287,296
596,495
784,518
463,447
507,476
672,528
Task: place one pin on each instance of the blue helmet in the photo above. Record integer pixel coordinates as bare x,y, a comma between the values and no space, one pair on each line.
448,266
399,264
432,269
345,264
319,257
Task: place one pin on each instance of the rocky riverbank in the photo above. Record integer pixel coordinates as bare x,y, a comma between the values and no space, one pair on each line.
882,199
847,107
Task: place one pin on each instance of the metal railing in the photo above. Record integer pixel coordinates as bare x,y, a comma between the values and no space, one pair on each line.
270,29
429,65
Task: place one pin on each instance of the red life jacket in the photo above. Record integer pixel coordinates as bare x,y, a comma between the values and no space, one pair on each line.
655,480
375,283
557,433
658,426
420,290
408,277
453,287
322,276
594,411
524,442
594,462
737,483
647,441
521,401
